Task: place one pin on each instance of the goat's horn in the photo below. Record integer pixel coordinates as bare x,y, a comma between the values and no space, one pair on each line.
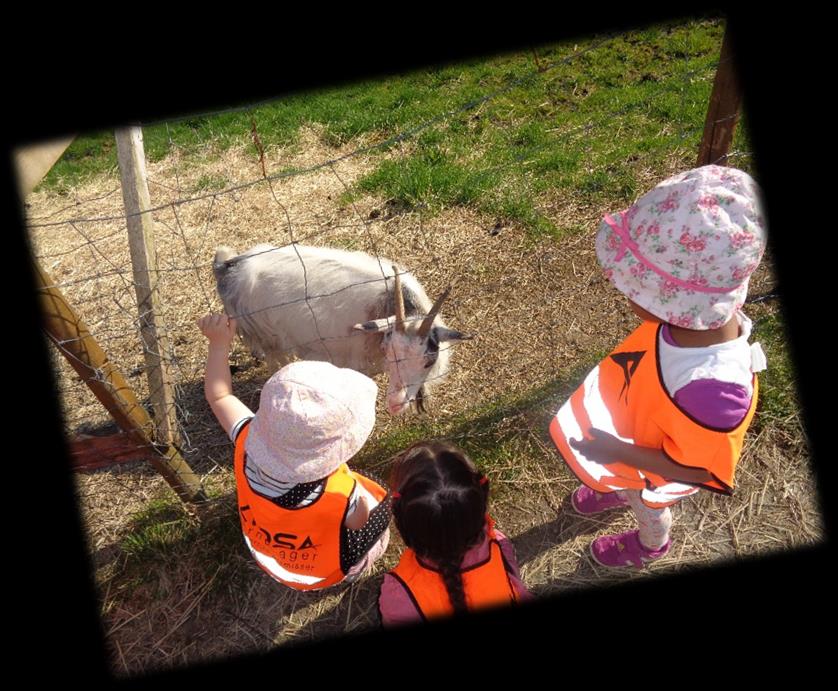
429,320
399,302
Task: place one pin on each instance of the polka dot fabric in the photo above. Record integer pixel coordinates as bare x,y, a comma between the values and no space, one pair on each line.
354,544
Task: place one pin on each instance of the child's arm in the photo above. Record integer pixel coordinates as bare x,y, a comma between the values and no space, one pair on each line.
606,448
511,561
218,386
395,604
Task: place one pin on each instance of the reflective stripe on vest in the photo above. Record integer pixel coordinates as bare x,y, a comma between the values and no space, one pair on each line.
625,396
298,547
485,585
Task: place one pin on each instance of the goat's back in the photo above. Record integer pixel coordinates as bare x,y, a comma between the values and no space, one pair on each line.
304,300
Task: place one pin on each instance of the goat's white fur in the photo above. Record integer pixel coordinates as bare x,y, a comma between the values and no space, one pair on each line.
316,303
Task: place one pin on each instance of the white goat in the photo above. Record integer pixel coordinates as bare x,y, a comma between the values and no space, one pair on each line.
318,303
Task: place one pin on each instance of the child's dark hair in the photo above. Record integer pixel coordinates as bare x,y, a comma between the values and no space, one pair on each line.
440,501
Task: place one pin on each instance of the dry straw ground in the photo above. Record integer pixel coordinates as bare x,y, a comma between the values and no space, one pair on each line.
177,589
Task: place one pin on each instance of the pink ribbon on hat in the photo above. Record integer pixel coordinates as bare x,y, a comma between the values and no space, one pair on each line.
627,244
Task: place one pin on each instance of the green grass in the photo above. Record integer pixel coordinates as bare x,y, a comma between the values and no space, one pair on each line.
588,127
210,183
778,400
163,532
158,531
88,155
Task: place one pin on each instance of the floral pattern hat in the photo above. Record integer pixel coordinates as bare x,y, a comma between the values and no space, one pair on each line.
685,250
312,418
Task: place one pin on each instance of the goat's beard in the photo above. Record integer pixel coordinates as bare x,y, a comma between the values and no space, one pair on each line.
420,399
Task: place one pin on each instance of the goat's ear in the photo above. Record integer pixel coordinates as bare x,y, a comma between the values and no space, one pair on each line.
445,334
374,326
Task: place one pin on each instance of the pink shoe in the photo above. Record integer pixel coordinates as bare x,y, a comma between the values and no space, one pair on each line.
588,502
624,550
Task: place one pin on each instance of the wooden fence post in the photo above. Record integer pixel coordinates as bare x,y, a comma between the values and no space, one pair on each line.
131,156
723,111
81,350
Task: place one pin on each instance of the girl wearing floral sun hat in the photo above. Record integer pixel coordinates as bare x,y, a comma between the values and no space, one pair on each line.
665,414
308,520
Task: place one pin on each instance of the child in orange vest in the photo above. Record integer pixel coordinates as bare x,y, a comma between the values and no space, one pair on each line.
665,414
456,559
308,520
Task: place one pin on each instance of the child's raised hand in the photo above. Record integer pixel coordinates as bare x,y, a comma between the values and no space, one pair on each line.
218,328
601,447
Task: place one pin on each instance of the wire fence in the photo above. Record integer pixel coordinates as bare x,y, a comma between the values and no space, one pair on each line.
83,247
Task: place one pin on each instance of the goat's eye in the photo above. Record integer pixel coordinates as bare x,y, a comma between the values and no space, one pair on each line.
432,350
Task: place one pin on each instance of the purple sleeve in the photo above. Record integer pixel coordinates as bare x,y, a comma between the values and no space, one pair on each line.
714,403
395,604
508,550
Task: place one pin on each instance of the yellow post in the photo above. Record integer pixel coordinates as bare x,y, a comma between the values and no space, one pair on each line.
73,340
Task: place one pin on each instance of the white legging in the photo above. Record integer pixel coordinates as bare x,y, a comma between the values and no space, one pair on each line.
654,524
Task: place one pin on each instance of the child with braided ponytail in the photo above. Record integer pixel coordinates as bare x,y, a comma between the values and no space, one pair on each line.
456,560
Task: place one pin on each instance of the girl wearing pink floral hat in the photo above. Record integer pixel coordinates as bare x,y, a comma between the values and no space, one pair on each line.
665,414
308,520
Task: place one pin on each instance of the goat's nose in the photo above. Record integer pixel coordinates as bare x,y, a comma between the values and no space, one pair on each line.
396,408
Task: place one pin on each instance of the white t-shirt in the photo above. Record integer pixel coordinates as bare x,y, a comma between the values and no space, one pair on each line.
733,361
713,384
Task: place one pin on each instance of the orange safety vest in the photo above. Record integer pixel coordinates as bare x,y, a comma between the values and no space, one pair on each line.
625,396
485,584
298,547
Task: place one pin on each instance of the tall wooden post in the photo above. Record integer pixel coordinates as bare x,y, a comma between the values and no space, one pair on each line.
131,156
723,111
